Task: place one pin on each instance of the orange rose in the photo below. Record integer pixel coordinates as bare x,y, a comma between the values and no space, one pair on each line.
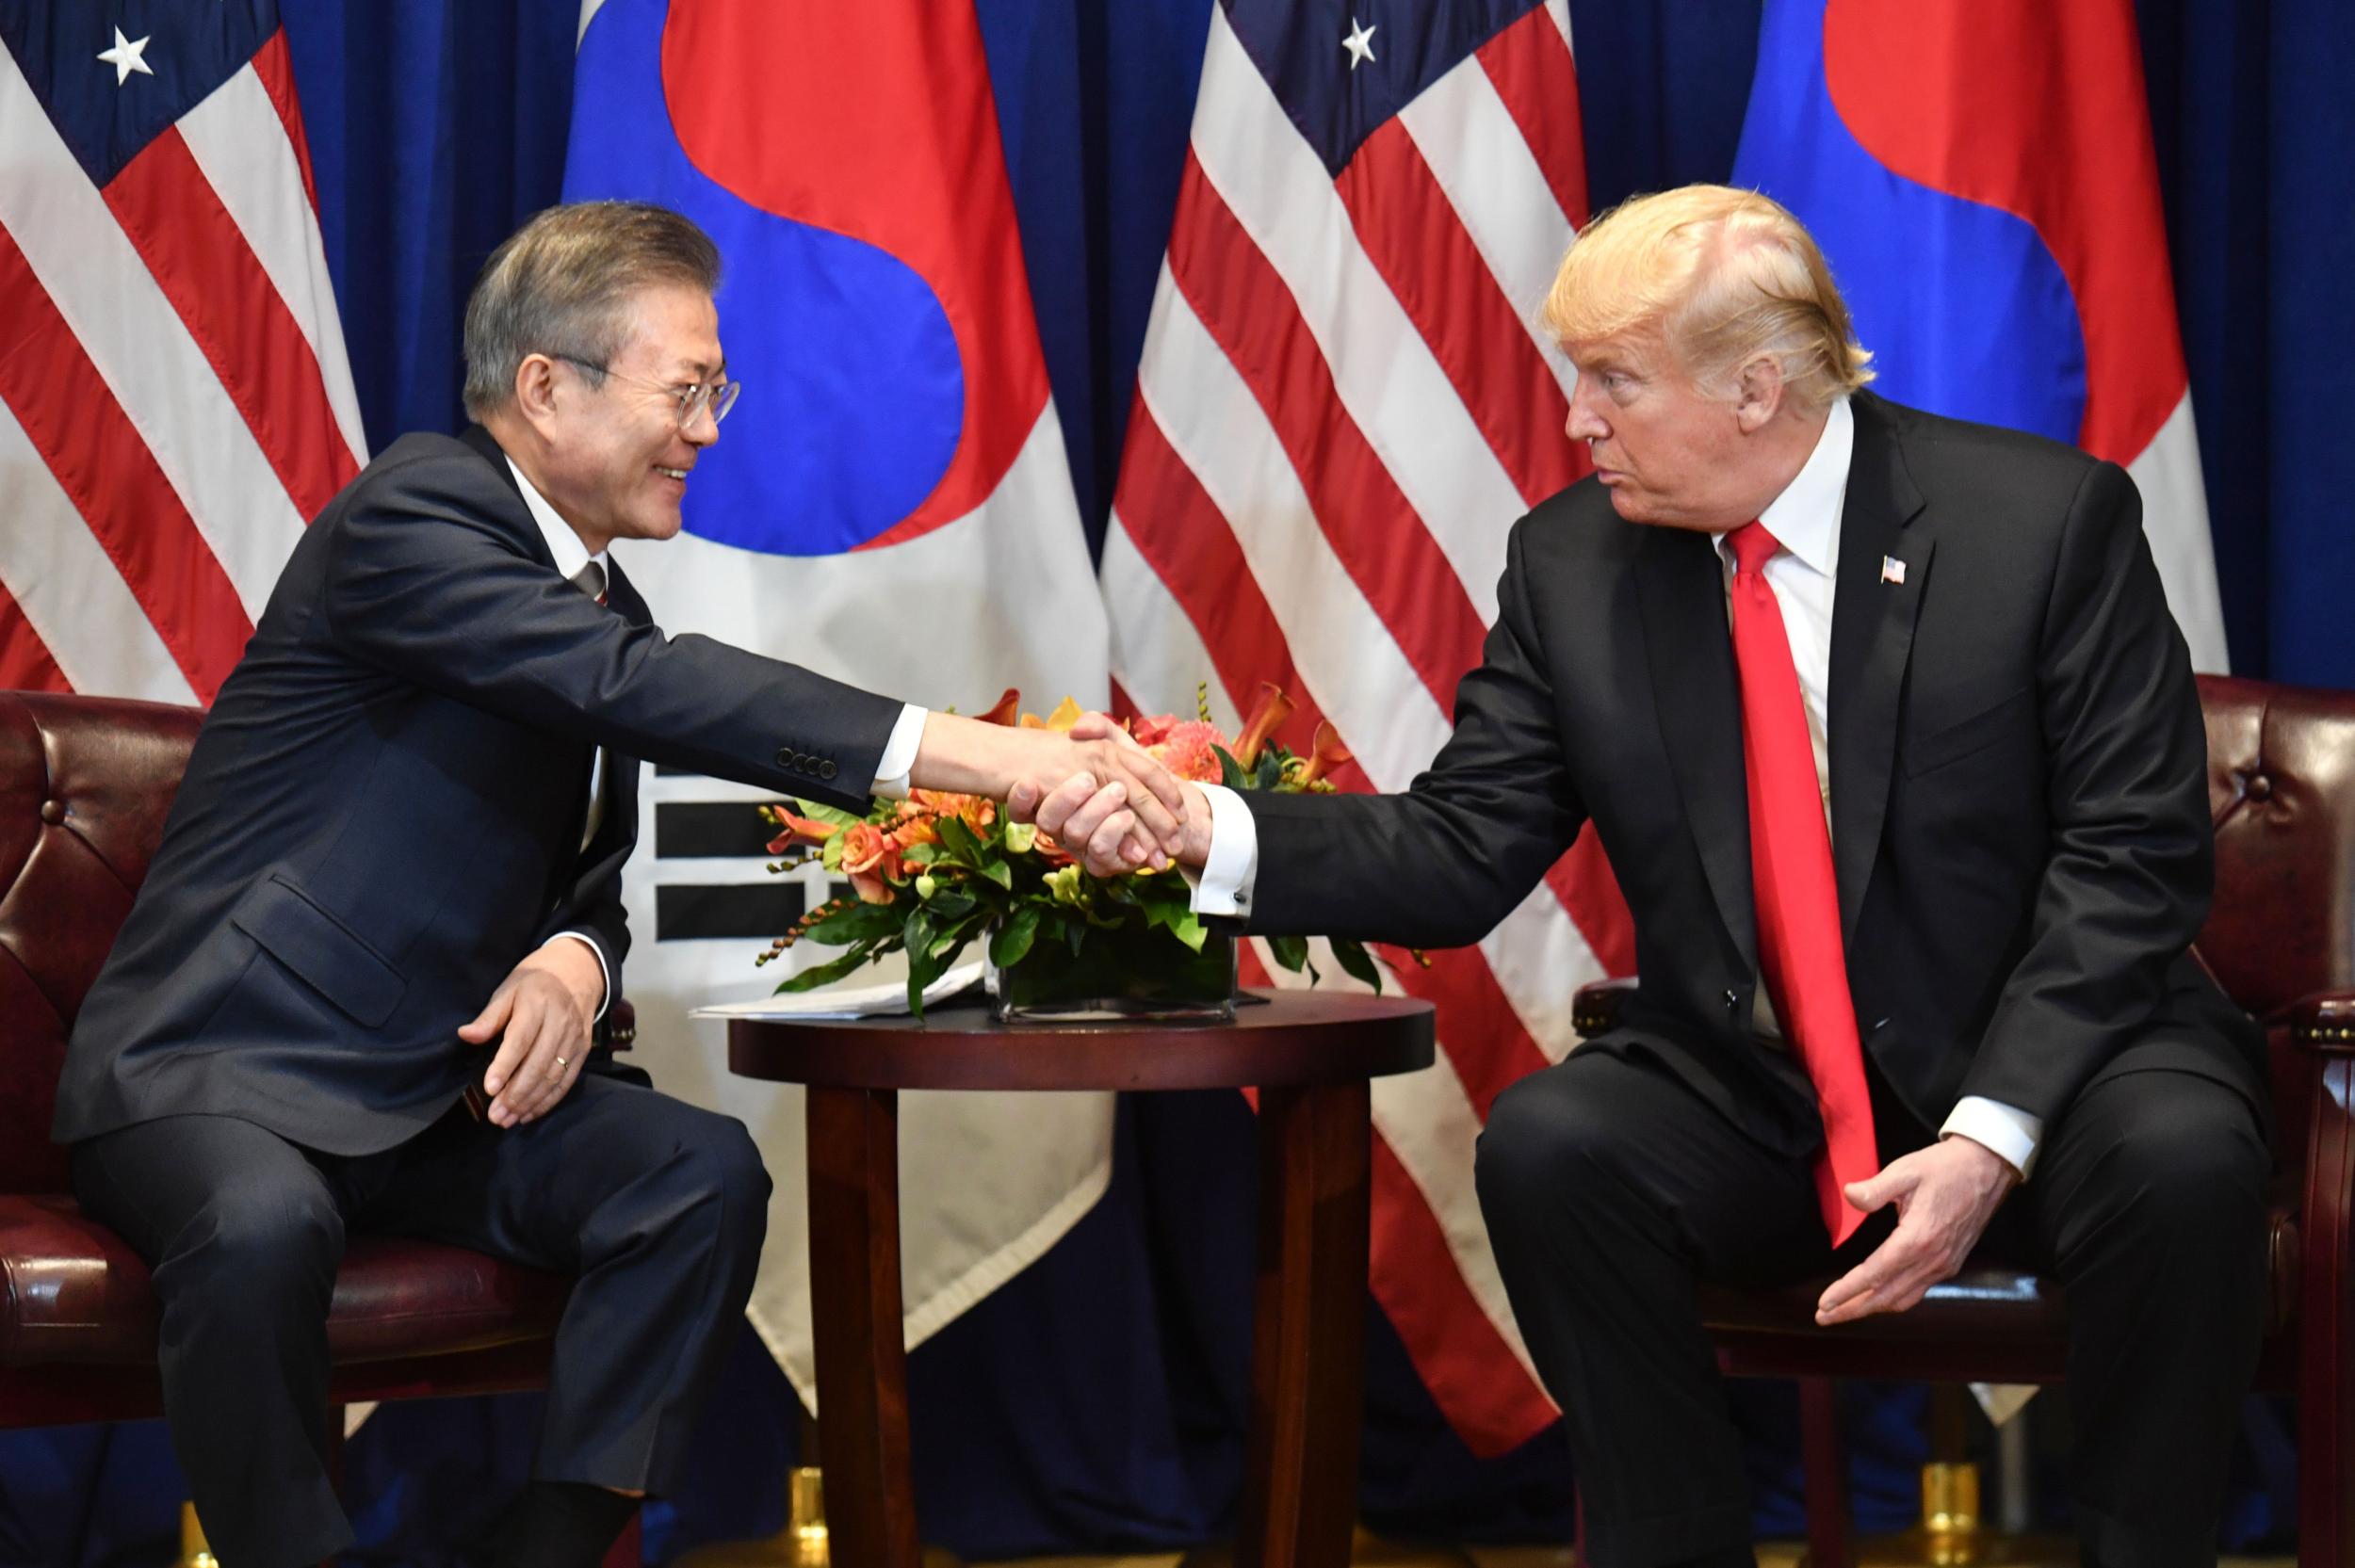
869,856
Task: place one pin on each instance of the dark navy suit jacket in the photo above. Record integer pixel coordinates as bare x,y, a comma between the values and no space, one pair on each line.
2018,786
382,813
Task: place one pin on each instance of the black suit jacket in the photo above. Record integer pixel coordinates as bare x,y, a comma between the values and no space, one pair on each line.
383,810
2017,773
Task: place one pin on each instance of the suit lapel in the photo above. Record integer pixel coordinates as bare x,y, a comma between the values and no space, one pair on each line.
617,834
1697,697
1872,638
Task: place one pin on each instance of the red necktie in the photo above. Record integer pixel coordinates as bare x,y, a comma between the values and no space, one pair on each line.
1799,900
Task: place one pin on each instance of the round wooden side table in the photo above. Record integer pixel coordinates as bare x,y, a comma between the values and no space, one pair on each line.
1310,1055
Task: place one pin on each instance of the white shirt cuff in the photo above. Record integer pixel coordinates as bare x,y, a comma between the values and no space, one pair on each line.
606,1000
899,754
2006,1131
1224,884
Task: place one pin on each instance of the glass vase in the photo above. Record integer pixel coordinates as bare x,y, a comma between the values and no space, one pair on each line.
1128,971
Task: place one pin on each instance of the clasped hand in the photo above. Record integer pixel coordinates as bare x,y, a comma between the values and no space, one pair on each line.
1108,823
1107,801
1945,1195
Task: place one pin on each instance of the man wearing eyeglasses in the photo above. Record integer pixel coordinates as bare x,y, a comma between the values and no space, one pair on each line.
392,878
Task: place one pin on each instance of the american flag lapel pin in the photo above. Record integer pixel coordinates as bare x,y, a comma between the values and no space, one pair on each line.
1892,570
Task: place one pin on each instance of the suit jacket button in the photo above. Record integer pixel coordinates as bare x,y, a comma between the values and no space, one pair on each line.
785,756
827,770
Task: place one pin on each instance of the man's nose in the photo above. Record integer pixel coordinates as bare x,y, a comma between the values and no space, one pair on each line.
1583,424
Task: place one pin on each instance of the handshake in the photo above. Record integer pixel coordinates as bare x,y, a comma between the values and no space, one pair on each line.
1101,794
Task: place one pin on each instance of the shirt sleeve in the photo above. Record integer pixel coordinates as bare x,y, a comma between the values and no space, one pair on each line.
1224,884
2006,1131
899,754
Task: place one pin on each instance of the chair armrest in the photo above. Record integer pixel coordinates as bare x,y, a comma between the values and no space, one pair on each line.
1598,1006
621,1025
2323,1022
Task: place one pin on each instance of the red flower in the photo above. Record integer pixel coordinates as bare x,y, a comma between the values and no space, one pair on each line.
1008,709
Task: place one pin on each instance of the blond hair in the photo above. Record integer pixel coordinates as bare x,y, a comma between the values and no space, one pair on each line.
1724,276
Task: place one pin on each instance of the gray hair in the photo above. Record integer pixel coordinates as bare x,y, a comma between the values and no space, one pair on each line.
562,283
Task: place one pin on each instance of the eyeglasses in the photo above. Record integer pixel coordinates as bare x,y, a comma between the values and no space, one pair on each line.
692,398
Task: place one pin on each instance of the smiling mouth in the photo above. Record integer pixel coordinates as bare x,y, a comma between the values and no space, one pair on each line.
678,474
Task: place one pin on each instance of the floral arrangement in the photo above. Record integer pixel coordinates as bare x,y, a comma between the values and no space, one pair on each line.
936,872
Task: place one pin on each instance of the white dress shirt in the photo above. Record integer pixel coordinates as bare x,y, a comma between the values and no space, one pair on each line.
1805,520
571,555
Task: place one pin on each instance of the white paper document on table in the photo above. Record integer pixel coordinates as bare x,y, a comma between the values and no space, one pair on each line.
879,1000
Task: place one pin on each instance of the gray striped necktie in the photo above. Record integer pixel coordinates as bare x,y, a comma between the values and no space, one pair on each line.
590,579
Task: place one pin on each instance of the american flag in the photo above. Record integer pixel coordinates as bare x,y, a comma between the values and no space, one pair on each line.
1343,405
174,399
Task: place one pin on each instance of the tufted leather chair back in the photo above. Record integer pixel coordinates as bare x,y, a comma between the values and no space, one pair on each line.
2282,788
2281,785
84,784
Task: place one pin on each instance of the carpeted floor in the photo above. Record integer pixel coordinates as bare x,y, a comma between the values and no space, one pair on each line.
1770,1555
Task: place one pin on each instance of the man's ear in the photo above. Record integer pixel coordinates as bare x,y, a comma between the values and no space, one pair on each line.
536,391
1758,394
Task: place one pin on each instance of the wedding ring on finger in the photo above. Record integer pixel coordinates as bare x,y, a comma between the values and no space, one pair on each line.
559,1061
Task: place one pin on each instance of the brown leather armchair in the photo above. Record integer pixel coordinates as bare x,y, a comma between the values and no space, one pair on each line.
84,784
2280,939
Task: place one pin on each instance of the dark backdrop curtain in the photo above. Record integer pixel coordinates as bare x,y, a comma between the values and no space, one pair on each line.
1097,1400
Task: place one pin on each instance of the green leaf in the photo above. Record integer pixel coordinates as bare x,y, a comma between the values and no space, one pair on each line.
859,923
918,933
920,854
1270,770
1352,955
1013,937
825,974
1290,951
999,872
927,963
954,906
1231,772
830,853
817,813
1187,928
959,841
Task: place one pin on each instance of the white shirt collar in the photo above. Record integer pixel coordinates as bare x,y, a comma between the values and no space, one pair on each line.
1804,518
566,546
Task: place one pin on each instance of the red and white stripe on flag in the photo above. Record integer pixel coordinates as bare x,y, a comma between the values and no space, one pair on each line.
174,398
1343,405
